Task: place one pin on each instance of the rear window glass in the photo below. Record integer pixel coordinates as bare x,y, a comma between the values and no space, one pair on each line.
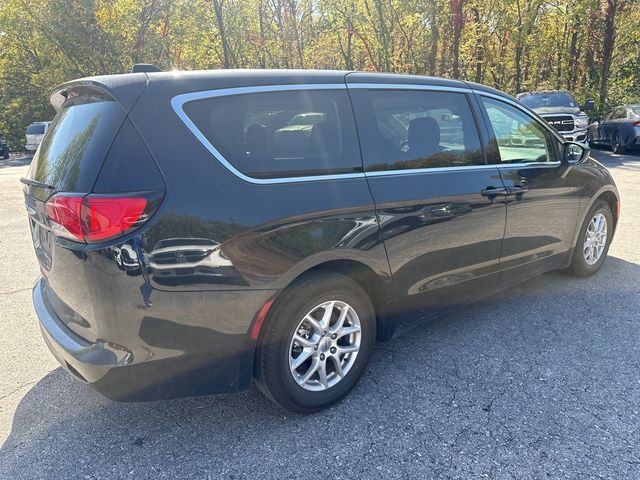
281,134
35,129
75,145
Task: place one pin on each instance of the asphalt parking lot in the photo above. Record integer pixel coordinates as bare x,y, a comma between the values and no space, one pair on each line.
541,381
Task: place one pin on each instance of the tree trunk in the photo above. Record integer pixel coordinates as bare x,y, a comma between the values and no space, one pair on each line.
226,55
432,57
609,39
457,21
479,47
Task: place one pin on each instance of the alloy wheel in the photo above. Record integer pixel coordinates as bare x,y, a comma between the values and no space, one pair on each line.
324,345
595,239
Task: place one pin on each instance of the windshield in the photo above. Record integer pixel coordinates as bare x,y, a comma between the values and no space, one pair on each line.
310,118
35,129
548,99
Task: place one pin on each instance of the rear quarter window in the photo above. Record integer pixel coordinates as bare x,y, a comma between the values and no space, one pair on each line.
76,144
281,134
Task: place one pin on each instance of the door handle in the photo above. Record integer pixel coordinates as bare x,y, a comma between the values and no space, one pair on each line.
492,192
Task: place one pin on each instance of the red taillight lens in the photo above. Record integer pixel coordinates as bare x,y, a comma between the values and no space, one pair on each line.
636,123
65,213
95,218
106,217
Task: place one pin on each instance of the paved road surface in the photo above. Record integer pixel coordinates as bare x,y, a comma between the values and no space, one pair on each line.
538,382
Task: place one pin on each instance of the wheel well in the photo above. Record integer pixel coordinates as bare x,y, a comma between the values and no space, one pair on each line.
368,280
612,201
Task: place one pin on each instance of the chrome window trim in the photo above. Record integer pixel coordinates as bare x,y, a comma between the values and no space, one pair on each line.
411,171
178,102
407,86
528,164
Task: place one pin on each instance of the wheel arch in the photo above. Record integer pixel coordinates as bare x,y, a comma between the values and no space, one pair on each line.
377,286
611,197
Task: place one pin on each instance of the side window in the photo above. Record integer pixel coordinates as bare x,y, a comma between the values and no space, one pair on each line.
281,134
411,129
520,138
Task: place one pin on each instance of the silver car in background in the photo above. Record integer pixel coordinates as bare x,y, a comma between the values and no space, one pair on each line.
35,134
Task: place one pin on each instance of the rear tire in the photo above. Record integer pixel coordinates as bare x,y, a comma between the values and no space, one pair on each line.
593,241
616,143
311,298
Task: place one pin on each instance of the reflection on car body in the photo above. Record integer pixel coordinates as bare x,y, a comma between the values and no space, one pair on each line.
200,260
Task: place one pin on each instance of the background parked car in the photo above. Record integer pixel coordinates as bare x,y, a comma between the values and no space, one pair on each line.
619,128
560,109
35,134
4,148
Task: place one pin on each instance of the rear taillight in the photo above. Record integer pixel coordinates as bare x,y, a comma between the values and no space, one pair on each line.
94,218
636,123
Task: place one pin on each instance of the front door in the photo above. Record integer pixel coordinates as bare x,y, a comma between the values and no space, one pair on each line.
544,195
441,222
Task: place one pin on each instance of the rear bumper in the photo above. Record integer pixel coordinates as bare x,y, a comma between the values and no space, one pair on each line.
116,373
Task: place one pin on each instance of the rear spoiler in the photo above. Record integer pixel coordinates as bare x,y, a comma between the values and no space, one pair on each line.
125,89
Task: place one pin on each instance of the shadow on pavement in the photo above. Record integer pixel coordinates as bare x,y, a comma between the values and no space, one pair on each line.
533,377
610,159
15,162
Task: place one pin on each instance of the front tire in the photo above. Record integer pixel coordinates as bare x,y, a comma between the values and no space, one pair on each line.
315,343
593,242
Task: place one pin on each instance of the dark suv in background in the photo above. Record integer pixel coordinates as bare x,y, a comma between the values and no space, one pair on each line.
197,230
4,148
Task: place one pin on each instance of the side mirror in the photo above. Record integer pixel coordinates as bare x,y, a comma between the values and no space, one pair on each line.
574,153
589,104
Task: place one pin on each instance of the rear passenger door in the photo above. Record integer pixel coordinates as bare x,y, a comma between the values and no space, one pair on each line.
436,199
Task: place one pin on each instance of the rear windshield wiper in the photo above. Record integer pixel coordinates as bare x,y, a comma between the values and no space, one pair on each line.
36,183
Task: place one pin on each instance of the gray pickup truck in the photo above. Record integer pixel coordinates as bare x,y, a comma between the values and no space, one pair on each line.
560,109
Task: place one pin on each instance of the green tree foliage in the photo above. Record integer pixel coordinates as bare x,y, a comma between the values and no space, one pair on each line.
591,47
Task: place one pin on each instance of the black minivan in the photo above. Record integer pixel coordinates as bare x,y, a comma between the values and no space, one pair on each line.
199,230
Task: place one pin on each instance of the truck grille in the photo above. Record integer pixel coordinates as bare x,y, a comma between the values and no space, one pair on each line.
562,123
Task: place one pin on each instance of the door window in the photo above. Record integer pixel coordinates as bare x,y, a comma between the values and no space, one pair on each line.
520,138
415,129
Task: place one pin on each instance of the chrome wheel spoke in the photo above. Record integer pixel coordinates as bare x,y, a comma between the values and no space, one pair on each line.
338,366
326,317
322,374
314,323
347,349
309,373
303,342
340,322
348,330
300,359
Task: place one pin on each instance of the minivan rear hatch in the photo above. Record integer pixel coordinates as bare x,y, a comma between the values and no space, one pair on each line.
70,157
91,182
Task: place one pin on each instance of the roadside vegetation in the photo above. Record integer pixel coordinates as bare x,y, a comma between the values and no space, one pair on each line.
590,47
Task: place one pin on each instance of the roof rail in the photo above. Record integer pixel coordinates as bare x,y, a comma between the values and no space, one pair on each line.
144,67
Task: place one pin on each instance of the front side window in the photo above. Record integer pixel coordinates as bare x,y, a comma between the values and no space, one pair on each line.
520,138
281,134
415,129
